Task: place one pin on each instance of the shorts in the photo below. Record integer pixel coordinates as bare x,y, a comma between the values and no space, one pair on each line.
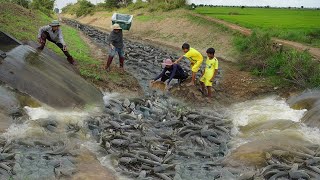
196,66
120,51
206,79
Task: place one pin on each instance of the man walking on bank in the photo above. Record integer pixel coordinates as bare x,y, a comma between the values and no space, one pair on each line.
115,41
53,33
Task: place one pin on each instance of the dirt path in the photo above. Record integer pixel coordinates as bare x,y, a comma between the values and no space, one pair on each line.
315,52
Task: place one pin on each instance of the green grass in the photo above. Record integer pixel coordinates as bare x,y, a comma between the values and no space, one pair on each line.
19,24
302,25
88,66
145,18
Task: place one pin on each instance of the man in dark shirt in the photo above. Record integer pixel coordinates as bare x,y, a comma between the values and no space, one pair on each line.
115,40
175,72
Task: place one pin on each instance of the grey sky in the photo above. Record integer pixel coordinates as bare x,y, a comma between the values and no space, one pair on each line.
276,3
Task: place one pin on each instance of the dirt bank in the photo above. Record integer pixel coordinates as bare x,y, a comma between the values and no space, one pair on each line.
234,86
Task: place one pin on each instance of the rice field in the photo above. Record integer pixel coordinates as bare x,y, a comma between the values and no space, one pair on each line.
302,25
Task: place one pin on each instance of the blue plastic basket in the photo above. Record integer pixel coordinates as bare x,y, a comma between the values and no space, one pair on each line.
124,20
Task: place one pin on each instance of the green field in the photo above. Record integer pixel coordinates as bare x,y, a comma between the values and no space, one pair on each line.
302,25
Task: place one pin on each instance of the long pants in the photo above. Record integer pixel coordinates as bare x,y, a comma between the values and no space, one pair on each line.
180,78
45,36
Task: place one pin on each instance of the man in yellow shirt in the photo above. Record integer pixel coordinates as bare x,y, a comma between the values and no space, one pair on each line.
210,72
195,59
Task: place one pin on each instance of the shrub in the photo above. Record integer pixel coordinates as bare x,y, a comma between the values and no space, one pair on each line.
85,7
259,56
23,3
70,8
45,6
139,4
166,5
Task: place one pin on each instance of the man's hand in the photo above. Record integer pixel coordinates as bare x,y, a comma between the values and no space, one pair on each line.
167,87
152,81
65,48
112,46
40,40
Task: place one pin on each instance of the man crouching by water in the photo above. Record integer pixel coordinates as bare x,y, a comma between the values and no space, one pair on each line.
175,72
53,33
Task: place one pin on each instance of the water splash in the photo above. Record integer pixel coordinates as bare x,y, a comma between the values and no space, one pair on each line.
270,108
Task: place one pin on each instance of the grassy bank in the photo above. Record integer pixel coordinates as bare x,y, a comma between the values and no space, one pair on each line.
300,25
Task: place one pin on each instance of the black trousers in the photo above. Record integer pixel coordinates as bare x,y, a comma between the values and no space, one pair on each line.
45,36
166,76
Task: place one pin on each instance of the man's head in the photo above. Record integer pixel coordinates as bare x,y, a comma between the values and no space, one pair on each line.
55,24
167,63
185,47
210,53
116,28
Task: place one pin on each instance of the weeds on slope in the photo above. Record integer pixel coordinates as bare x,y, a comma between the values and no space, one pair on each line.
284,67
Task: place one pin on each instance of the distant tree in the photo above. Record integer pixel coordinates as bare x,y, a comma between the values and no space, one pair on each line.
86,7
124,2
23,3
193,6
56,10
112,3
242,7
301,7
267,6
46,6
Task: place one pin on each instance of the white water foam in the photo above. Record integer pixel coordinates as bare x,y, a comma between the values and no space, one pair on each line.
311,134
30,128
107,96
41,112
270,108
263,110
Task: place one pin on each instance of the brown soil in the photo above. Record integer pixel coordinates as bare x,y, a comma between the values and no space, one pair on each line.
90,168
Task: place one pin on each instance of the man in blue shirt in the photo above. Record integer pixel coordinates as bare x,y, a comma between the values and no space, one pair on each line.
175,72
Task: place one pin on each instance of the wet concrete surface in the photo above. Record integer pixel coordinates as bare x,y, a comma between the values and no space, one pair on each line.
46,79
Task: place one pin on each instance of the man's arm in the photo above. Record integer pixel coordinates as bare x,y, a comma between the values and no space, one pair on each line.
42,29
173,73
180,58
160,75
214,75
110,40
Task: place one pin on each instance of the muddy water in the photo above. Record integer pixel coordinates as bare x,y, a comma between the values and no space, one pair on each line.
268,132
270,140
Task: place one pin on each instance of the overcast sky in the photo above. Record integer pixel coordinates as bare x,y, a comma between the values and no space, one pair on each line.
277,3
